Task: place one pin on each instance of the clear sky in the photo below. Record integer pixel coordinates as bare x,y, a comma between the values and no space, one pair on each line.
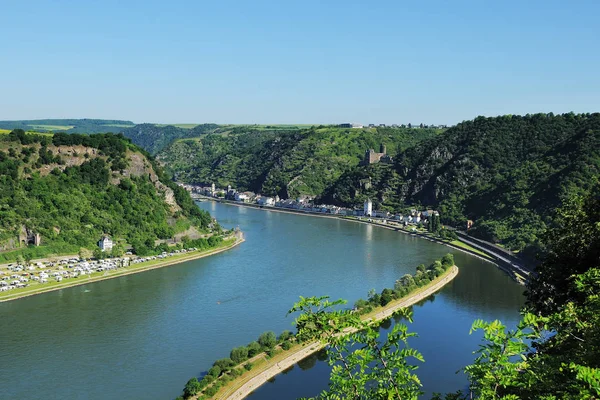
297,61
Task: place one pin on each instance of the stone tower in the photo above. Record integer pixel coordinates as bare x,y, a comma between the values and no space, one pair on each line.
368,211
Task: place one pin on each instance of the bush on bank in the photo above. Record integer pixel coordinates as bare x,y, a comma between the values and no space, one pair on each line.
405,285
224,370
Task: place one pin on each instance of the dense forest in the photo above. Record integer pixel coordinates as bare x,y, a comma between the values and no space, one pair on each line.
71,189
284,162
507,174
154,138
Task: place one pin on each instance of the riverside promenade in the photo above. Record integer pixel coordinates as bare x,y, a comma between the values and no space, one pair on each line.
245,385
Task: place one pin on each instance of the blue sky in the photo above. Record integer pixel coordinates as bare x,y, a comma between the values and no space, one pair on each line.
297,61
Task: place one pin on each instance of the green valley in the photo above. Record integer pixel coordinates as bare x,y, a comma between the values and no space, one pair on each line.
506,174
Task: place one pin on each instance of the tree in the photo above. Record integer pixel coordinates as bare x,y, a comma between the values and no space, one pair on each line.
573,247
214,371
85,253
284,336
98,254
191,388
364,366
239,354
267,340
253,349
27,257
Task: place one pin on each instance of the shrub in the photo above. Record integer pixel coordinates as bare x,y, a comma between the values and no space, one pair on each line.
224,363
286,345
191,388
214,371
360,304
285,335
211,391
239,354
267,340
448,260
253,349
421,268
386,297
248,366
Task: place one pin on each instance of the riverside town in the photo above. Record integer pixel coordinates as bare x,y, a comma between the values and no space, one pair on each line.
306,204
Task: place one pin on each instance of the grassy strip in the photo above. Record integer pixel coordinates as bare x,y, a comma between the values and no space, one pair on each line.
262,363
465,246
38,288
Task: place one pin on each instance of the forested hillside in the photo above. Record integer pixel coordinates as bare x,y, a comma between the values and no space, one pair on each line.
283,162
507,174
154,138
72,189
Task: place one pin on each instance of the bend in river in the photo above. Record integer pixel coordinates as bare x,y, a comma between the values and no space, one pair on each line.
145,335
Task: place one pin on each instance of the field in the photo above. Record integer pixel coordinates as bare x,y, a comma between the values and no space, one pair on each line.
52,127
182,126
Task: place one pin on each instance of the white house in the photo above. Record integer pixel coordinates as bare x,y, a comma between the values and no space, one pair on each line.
105,244
241,197
368,208
265,201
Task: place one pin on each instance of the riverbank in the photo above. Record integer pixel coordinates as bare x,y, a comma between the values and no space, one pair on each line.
15,294
459,245
265,369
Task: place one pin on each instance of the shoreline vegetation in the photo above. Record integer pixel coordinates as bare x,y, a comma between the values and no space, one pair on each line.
454,244
251,366
225,245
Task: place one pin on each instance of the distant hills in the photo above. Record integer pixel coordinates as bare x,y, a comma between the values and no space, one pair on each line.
154,137
507,174
286,162
68,125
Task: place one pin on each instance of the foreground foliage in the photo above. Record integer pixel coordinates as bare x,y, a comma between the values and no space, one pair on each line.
553,353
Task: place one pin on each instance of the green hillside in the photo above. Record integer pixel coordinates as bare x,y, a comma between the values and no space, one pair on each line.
154,138
283,162
72,189
507,174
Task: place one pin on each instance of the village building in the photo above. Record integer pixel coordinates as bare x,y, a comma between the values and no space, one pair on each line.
105,244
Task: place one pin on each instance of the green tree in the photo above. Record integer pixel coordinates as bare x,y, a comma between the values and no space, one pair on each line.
239,354
267,340
191,388
364,366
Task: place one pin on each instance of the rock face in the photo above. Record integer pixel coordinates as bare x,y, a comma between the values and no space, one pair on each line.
139,166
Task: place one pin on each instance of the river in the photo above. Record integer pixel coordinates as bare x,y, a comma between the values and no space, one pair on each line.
144,335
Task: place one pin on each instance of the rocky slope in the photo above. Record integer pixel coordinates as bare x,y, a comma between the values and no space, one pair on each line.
69,190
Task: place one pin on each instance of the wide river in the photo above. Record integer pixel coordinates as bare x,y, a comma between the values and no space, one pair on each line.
143,336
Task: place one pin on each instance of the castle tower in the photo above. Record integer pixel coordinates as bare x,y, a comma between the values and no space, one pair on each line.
368,208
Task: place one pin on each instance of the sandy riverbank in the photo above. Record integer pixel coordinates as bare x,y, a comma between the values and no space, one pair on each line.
126,271
252,382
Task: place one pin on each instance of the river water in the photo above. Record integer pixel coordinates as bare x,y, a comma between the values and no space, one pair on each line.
143,336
